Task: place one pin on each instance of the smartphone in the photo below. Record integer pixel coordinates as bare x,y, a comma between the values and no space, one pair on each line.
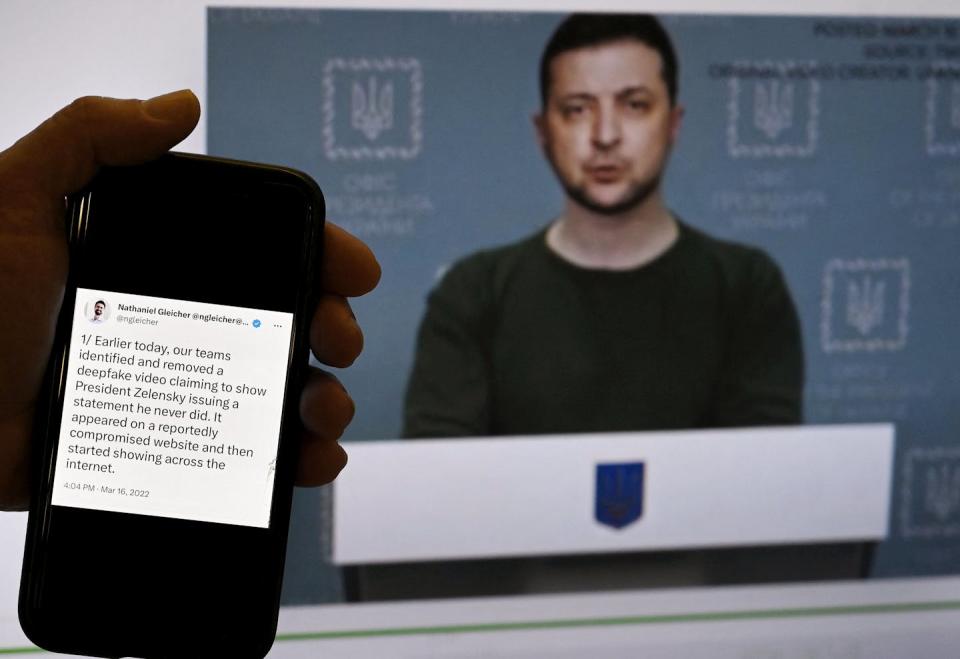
167,435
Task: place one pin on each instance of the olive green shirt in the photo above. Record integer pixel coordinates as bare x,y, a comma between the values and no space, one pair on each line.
517,341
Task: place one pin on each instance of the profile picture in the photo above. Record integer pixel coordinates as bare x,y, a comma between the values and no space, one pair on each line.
97,311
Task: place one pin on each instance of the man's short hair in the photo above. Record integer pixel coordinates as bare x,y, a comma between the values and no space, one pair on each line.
99,302
587,30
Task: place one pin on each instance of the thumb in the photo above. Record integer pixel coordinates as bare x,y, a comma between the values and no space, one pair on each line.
64,152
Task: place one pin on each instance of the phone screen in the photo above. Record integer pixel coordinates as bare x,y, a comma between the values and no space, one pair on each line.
172,408
171,430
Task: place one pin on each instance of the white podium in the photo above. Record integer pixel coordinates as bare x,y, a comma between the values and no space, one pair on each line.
433,500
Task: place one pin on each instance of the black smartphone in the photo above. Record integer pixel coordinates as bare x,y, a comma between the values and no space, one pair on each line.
167,435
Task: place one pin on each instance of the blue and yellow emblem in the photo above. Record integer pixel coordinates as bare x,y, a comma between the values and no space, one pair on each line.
619,493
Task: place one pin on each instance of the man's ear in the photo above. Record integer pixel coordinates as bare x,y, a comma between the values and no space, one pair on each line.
676,120
539,121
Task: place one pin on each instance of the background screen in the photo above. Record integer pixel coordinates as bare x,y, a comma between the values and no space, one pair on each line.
830,143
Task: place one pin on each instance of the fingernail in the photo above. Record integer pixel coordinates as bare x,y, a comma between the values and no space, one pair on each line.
168,106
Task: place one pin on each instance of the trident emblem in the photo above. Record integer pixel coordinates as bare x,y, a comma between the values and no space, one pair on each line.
943,491
371,110
865,302
773,108
619,496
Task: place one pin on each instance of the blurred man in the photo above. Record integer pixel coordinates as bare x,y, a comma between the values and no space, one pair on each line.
617,316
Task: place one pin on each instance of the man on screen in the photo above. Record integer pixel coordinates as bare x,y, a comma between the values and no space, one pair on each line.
98,308
618,315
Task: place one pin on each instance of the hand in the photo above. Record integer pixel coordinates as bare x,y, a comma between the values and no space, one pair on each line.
60,157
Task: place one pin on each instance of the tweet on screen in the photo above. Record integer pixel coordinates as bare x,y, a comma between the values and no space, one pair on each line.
172,408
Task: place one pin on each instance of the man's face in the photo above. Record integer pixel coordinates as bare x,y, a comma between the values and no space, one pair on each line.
98,309
608,124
